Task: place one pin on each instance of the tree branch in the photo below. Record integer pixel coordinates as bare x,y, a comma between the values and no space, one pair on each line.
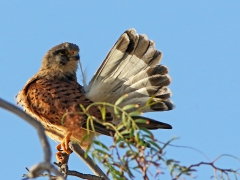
85,176
95,169
63,167
38,169
224,171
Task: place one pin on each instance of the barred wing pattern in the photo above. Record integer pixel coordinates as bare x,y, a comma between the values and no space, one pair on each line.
132,67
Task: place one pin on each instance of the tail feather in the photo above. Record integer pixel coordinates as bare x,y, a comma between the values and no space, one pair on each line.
155,80
151,123
148,72
132,67
156,104
152,91
144,122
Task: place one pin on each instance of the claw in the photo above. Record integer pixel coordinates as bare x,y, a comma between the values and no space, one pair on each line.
59,156
63,147
65,142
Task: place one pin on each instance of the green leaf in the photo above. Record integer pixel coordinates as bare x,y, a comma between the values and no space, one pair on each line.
83,108
155,144
92,125
136,137
131,133
130,106
125,132
102,152
167,143
120,126
84,138
130,153
149,102
101,144
86,152
88,123
116,112
135,113
140,121
129,124
124,119
142,143
147,131
121,99
103,111
170,161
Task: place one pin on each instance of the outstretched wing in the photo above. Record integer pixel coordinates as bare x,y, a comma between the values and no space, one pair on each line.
132,67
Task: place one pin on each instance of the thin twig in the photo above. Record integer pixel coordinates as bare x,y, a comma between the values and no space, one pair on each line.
45,165
95,169
224,171
51,177
85,176
72,173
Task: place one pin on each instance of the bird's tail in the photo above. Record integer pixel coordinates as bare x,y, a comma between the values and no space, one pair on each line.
142,122
132,67
150,124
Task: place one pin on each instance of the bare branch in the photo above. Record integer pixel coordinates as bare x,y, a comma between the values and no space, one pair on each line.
85,176
63,167
51,177
95,169
222,170
38,169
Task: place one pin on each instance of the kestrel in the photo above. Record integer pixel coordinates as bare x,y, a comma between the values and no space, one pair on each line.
131,67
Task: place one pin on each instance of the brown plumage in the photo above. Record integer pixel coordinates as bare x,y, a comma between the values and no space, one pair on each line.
131,67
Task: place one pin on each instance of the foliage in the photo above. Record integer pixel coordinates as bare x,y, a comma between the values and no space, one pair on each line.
136,150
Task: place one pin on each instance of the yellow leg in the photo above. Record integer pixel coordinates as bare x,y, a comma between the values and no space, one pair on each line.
63,147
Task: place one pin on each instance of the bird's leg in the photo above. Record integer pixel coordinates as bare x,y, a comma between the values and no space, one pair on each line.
63,147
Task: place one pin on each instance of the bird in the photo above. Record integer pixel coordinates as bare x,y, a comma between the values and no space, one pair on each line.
131,69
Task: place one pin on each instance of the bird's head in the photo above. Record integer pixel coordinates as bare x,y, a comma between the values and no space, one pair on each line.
62,58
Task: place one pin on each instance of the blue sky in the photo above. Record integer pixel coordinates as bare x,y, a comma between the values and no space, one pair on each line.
200,41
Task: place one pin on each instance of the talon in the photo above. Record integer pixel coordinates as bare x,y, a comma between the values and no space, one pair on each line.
64,145
58,147
59,156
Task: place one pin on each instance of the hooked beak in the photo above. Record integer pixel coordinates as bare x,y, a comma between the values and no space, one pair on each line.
76,57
